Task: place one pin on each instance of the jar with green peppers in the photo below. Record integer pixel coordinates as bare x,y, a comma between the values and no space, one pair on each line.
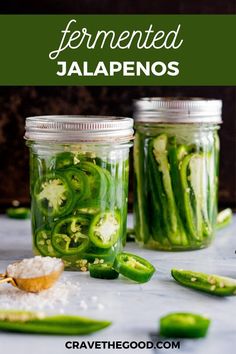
79,186
176,160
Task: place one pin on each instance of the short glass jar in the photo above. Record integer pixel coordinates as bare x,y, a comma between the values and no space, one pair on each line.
176,158
79,186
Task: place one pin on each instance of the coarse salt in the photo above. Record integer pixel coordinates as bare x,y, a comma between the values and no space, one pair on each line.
55,298
59,298
33,267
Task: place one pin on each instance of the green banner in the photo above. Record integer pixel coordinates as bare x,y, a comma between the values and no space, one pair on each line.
118,50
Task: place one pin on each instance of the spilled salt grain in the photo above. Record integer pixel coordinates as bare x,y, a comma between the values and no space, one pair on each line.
100,306
54,298
83,305
94,298
34,267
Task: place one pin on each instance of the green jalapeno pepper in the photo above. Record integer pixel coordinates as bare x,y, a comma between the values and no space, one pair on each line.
53,195
90,207
104,229
209,283
157,227
103,254
34,322
79,207
184,325
78,182
96,179
194,181
44,243
70,236
103,271
173,224
176,182
224,218
18,213
63,160
133,267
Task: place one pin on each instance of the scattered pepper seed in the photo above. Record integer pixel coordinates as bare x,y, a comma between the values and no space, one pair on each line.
211,280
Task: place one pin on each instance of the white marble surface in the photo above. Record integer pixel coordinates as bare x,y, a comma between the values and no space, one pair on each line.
135,309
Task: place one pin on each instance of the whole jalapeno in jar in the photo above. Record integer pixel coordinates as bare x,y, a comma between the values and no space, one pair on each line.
176,155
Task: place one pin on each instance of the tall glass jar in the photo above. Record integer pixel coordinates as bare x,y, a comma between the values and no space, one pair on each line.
176,158
79,186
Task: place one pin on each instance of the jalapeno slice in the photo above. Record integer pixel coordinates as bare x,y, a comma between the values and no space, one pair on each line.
102,271
134,267
224,218
184,325
90,207
53,195
70,236
64,159
209,283
78,182
103,254
96,179
104,229
44,243
18,213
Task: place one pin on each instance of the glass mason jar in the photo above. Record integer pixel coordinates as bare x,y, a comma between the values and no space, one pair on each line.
79,186
176,158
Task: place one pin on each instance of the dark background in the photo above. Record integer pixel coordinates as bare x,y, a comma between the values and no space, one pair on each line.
16,103
119,6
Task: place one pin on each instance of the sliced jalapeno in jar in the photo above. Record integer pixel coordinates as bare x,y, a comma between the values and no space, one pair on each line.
44,243
70,236
53,195
103,254
134,267
78,181
90,207
184,325
79,187
96,179
103,271
64,159
104,229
